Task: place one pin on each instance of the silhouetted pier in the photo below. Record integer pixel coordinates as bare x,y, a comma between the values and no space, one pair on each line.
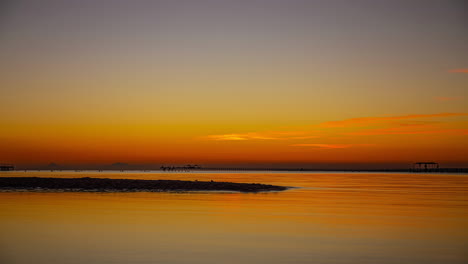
428,166
188,167
7,167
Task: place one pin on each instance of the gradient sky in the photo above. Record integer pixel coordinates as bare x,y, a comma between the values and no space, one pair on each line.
234,82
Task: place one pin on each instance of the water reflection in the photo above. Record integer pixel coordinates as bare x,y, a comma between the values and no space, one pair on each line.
332,218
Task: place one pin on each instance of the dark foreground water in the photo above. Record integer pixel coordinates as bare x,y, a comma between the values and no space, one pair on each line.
332,218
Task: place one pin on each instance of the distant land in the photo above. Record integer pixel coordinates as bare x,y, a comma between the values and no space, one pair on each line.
121,166
128,185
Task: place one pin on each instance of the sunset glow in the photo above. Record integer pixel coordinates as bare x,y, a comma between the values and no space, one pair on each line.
223,82
234,131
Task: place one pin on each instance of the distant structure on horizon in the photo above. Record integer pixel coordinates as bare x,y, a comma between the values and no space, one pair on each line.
182,168
425,166
7,167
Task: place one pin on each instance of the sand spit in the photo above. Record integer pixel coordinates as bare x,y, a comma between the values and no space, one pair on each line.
128,185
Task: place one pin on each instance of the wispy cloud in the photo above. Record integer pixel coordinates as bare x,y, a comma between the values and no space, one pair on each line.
408,131
445,99
233,137
237,137
324,146
374,120
459,70
414,124
268,135
330,146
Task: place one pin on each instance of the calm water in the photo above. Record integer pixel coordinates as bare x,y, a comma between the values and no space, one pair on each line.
332,218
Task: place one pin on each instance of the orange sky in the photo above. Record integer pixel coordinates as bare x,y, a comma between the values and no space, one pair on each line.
389,139
294,82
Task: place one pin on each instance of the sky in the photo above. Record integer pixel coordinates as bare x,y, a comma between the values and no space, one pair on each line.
234,83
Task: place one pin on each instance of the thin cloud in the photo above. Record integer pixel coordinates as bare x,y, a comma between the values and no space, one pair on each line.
227,137
373,120
459,71
237,137
388,125
324,146
399,131
268,135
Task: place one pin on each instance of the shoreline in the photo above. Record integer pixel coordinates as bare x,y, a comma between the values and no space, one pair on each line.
251,170
127,185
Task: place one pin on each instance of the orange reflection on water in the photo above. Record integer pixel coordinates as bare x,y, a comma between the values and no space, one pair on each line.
331,218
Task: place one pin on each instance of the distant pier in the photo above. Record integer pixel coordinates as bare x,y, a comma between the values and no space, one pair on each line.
188,167
430,166
7,167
